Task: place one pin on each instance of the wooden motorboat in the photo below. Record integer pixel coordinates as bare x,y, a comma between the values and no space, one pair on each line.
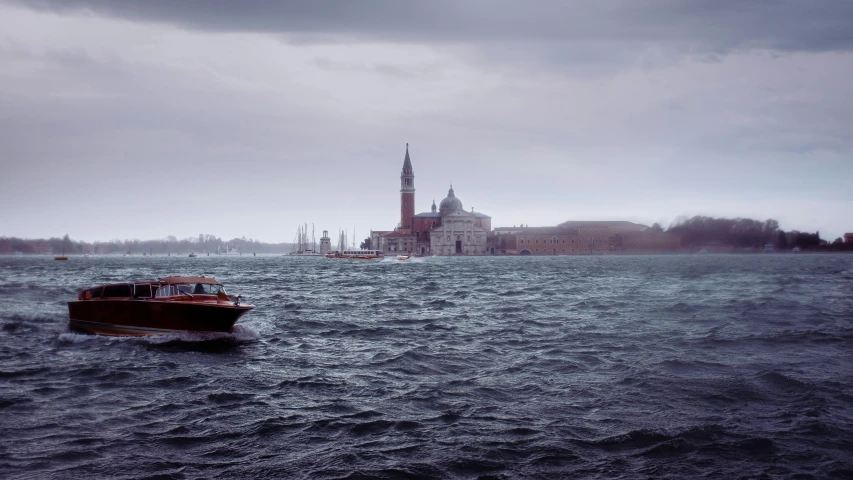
164,306
403,258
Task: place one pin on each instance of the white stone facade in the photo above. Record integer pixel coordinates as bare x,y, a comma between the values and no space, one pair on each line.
458,234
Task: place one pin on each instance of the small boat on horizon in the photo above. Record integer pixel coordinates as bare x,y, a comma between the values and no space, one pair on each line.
168,305
192,255
61,257
403,258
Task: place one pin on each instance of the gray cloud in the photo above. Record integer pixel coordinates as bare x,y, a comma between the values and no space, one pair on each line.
567,110
686,26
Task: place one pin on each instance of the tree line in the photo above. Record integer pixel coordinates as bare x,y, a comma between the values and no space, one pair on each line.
746,233
169,245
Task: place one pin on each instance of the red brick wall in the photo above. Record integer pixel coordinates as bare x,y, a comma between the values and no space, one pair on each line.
423,225
407,209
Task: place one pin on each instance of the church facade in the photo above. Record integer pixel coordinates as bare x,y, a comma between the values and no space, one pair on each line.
446,230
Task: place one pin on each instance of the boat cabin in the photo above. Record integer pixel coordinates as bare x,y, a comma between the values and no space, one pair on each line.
162,289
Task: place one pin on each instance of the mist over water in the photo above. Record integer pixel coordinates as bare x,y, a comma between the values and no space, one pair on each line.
612,366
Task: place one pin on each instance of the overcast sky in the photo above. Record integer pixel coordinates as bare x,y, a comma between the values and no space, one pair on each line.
141,119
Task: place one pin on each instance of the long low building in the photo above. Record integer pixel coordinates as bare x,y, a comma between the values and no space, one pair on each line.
581,238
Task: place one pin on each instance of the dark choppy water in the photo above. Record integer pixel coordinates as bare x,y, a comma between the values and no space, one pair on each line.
627,367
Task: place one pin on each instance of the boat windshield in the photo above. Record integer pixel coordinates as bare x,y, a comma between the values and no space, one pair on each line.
182,288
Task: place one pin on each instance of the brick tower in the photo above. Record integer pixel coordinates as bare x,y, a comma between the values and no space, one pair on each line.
407,194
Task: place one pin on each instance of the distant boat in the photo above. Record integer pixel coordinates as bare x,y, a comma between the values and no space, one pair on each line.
768,248
795,250
61,257
403,258
192,255
356,254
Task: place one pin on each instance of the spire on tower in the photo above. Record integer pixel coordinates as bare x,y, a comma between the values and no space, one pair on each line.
407,163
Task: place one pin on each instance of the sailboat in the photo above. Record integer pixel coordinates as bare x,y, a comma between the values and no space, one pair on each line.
301,245
61,257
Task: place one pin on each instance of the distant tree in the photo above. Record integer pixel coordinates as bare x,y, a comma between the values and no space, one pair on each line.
738,232
807,240
771,227
782,243
365,245
656,228
67,244
838,241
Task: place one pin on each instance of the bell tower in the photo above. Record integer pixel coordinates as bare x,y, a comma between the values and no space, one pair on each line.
407,194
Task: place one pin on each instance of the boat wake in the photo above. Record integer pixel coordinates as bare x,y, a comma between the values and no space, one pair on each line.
240,334
394,259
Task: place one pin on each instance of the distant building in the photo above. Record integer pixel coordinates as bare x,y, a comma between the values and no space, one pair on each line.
446,230
41,247
581,238
451,230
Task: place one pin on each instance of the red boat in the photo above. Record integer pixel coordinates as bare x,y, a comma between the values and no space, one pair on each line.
164,306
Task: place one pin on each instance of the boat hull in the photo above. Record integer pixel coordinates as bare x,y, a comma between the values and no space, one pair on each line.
150,317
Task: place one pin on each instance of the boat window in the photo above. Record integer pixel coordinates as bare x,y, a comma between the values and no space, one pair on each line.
167,291
206,289
142,291
112,291
92,293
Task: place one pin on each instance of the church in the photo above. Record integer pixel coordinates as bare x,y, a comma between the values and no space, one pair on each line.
445,230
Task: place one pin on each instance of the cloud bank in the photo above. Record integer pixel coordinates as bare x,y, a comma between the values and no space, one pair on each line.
284,113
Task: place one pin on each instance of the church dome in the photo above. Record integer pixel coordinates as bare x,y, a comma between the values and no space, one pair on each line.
450,204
